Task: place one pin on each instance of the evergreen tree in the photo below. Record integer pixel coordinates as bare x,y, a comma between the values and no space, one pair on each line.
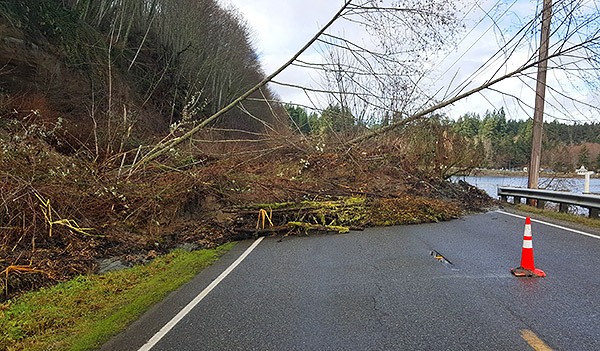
337,119
467,125
298,118
583,158
507,143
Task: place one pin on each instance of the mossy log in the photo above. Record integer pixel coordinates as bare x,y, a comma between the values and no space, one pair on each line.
318,227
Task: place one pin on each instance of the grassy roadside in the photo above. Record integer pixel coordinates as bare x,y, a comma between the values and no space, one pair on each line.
560,216
85,312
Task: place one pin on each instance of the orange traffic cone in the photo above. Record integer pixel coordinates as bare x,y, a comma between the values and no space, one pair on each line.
527,268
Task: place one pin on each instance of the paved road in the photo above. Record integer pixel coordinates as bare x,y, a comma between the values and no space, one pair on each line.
382,290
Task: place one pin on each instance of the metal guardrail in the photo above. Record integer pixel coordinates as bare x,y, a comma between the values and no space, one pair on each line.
591,202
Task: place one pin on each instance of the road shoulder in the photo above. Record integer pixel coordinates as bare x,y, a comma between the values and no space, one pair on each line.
140,331
541,217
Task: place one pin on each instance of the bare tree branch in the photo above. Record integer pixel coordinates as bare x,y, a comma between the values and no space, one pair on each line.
162,148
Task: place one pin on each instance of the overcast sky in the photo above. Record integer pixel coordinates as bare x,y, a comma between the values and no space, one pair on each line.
281,28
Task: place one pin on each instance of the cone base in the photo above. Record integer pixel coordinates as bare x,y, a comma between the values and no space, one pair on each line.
522,272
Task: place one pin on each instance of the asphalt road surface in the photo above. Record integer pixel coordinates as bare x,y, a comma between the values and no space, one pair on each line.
382,289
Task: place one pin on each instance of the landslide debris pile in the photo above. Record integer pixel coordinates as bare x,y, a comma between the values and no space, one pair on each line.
60,213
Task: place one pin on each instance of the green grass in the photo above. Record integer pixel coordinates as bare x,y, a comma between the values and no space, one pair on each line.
85,312
561,216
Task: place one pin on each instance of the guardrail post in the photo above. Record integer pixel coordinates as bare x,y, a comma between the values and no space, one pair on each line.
563,207
516,200
541,204
504,198
594,212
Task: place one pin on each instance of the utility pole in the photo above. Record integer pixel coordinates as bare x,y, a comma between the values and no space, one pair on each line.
540,97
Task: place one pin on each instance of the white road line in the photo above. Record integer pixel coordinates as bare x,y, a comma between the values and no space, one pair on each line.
164,330
552,225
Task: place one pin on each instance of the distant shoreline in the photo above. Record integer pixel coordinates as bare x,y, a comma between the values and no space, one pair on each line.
508,173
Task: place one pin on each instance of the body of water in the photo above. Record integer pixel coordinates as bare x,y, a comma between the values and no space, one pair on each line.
490,183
